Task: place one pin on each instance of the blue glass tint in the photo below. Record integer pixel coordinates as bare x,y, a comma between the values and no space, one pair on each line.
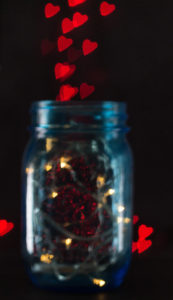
77,196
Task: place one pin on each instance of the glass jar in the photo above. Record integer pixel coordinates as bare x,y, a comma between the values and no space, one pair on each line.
77,196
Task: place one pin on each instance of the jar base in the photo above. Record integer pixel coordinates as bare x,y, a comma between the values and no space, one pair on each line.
108,280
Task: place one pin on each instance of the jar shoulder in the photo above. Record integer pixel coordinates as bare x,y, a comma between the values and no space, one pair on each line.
120,146
38,149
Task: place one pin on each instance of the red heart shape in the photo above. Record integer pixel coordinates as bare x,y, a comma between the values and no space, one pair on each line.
88,46
143,245
73,54
47,47
64,43
67,25
134,246
73,3
106,8
144,232
86,90
5,227
51,10
67,92
64,70
79,19
135,219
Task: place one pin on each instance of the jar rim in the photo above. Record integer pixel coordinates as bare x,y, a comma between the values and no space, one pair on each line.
78,115
48,104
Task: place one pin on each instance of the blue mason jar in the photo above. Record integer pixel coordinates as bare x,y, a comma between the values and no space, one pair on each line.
77,196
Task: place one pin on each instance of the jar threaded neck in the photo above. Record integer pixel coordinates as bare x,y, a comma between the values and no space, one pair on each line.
52,115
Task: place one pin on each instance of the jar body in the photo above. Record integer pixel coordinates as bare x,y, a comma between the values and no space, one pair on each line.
77,209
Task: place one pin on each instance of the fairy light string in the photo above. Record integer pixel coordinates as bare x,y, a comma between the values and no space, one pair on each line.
76,222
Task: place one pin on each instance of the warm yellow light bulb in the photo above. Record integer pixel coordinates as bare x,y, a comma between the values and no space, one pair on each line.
111,192
99,282
121,208
119,219
100,181
54,194
64,162
49,143
29,170
46,258
48,167
127,220
63,165
68,242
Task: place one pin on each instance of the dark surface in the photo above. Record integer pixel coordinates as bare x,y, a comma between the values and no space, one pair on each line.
147,279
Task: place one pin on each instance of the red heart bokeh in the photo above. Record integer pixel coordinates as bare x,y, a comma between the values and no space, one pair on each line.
64,43
51,10
135,219
86,90
79,19
64,70
144,232
134,246
73,3
89,46
67,92
143,245
67,25
106,8
5,227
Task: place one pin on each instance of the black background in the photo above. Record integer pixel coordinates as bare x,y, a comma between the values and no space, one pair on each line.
133,64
